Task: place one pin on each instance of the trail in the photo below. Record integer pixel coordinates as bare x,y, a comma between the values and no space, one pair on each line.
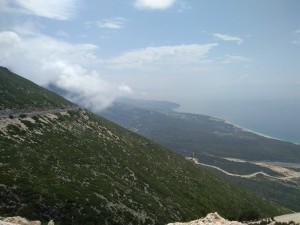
244,176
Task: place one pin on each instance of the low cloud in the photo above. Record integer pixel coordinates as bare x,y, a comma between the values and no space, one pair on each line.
52,9
226,37
46,60
154,4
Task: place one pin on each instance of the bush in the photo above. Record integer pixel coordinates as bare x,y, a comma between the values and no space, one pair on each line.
22,115
249,215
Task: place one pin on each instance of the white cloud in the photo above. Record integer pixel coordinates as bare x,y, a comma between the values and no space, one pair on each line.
226,37
125,88
163,56
46,60
154,4
114,23
53,9
235,59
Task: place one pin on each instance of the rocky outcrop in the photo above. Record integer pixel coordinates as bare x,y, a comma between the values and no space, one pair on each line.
210,219
17,220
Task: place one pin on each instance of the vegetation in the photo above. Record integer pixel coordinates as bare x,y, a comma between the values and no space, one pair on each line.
78,168
249,215
188,133
285,193
266,222
211,140
17,93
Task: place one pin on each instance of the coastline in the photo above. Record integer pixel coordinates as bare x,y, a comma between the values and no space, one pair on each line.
258,133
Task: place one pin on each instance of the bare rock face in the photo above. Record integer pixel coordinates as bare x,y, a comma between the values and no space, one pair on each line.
17,220
210,219
21,221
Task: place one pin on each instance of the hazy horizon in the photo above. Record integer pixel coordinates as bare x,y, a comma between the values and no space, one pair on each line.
236,60
276,119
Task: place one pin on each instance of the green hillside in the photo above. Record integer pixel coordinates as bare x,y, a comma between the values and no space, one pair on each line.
213,142
18,92
78,168
186,133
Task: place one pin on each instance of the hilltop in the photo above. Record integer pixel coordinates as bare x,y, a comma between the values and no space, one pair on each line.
75,167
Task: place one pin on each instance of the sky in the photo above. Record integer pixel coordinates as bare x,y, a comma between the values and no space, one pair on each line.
186,51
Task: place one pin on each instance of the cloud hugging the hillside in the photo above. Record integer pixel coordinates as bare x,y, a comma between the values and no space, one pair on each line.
46,60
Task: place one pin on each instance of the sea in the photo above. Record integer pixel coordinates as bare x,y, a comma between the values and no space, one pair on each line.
274,118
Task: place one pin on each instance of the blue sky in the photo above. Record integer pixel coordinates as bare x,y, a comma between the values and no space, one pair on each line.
184,51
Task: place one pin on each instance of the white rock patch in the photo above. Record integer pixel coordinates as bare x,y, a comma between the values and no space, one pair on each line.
210,219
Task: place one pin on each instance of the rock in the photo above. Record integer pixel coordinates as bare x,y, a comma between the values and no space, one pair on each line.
210,219
20,221
51,222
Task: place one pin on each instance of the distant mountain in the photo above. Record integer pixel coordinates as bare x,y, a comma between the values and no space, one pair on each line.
64,163
264,165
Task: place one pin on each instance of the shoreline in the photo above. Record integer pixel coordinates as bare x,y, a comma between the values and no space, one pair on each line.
181,109
258,133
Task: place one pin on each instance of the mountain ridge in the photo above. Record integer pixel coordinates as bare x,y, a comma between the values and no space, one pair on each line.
78,168
261,164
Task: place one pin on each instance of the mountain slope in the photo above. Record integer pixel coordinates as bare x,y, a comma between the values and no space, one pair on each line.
263,165
196,133
17,92
78,168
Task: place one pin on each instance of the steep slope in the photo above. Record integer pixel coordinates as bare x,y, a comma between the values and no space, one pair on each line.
199,133
78,168
263,165
17,92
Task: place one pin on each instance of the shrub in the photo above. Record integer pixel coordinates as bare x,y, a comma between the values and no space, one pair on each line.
22,115
249,215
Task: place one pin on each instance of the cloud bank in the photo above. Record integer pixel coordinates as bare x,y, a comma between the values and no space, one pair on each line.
46,60
154,4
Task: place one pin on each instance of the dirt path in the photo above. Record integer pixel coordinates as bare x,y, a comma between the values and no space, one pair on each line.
296,175
227,173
